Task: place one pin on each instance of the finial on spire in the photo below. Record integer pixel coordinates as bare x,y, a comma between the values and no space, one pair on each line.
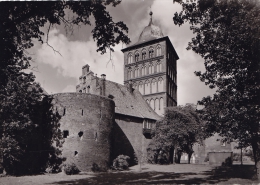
151,18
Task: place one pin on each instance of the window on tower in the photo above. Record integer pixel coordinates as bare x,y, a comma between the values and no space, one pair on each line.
151,53
136,56
143,55
158,51
160,85
141,88
154,86
130,58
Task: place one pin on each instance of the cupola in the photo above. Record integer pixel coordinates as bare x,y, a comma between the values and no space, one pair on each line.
150,32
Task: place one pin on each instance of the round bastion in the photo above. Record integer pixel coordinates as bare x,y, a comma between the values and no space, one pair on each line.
86,123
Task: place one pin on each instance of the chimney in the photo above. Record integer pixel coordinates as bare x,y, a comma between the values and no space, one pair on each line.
96,78
103,85
130,86
85,69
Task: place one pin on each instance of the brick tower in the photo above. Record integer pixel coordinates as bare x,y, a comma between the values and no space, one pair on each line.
150,65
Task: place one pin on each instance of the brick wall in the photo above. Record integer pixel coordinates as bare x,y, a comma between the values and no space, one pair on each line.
89,120
128,137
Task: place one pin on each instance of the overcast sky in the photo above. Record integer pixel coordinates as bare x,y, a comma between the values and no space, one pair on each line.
60,73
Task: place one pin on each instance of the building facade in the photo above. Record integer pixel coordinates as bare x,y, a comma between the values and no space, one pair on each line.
133,117
150,65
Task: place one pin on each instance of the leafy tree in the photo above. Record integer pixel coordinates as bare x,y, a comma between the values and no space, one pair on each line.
180,129
20,27
227,38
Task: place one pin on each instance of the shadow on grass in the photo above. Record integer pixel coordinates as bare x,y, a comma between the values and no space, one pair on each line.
216,175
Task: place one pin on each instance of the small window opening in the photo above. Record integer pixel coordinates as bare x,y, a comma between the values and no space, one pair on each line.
65,134
82,112
76,153
96,137
80,134
110,96
64,111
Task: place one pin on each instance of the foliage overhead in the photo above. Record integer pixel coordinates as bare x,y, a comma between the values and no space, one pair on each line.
20,27
227,37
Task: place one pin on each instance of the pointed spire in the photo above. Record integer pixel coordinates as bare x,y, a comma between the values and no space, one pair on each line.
151,19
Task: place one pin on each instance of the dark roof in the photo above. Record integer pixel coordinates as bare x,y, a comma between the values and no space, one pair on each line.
127,103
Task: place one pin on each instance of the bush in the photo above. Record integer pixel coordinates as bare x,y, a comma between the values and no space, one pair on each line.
236,157
228,162
70,168
96,168
206,158
121,162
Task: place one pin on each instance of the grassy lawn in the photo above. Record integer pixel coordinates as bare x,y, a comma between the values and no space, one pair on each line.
150,174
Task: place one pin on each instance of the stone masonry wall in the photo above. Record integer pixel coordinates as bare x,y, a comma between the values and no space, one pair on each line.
128,137
86,122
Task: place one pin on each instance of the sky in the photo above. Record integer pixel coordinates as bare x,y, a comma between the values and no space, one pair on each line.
60,73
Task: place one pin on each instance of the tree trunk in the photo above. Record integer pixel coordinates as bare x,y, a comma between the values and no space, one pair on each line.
178,157
256,149
189,156
241,157
171,156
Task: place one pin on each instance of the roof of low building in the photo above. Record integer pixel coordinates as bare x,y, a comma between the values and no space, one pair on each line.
129,103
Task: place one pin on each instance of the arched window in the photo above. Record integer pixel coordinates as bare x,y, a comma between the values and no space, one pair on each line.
143,54
140,71
147,87
130,58
160,85
141,88
147,101
156,105
151,53
150,69
146,70
154,86
152,103
136,56
129,74
161,106
159,67
158,51
84,90
136,72
143,70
